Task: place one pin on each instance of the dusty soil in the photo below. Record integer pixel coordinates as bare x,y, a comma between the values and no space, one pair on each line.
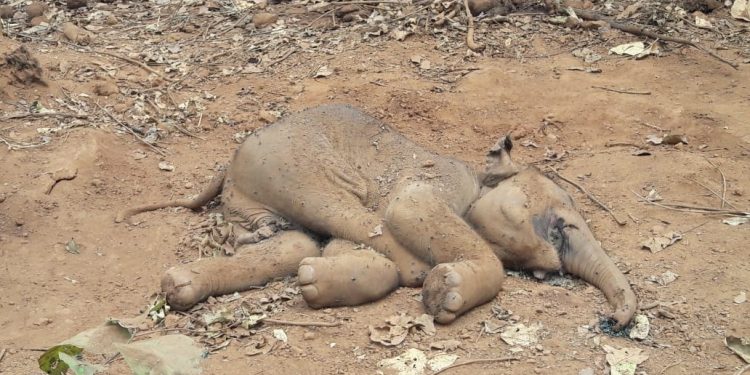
458,106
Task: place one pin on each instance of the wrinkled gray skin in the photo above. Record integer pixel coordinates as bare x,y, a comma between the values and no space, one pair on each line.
335,171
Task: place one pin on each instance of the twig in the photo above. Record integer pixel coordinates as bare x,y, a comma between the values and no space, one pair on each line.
723,201
670,366
641,31
742,370
694,228
303,324
591,196
126,126
470,32
2,353
111,359
694,209
723,185
653,126
18,146
43,114
474,361
284,57
622,91
138,63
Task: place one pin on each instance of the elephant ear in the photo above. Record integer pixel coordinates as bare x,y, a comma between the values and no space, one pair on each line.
499,163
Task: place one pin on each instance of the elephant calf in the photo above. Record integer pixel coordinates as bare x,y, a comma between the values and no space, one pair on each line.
333,171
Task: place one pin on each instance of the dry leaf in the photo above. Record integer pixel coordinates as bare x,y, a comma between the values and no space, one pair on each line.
624,361
658,243
519,334
740,346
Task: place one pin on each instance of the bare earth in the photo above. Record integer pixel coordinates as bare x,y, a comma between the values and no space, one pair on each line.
459,106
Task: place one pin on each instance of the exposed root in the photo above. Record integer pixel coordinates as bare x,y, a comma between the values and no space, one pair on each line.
470,32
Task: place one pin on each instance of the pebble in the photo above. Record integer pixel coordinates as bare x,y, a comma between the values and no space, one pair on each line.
6,12
75,4
36,9
96,182
36,21
261,20
188,185
308,335
43,322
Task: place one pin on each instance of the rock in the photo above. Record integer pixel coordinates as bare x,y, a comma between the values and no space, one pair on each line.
480,6
261,20
308,335
43,322
188,185
36,21
267,116
6,12
75,4
111,20
106,88
346,9
96,182
19,222
738,192
36,9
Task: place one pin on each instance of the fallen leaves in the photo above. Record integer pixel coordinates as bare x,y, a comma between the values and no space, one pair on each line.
624,361
397,327
521,335
660,242
740,346
166,355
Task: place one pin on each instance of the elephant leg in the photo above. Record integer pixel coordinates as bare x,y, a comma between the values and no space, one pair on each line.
345,276
467,272
255,265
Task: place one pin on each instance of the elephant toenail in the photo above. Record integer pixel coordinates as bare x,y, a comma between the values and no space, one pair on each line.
453,301
306,274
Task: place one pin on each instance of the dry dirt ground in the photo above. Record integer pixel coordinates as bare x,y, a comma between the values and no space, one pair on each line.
49,294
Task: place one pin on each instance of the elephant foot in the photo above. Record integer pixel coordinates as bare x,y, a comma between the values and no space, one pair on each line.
346,280
182,288
451,289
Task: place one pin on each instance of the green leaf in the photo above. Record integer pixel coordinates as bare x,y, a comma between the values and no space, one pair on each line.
50,361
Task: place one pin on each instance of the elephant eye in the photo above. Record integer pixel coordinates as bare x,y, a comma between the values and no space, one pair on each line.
557,236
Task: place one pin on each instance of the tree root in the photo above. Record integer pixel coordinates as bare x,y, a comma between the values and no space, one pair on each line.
470,32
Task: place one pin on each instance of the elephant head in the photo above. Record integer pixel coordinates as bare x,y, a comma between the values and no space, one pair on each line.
532,224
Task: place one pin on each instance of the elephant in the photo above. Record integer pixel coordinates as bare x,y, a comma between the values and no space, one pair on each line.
343,178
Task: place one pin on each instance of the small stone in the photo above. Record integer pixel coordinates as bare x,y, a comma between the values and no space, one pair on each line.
36,21
586,371
6,12
738,192
740,298
19,222
166,166
97,182
43,322
309,335
36,9
3,197
428,163
267,116
111,20
75,4
188,185
261,20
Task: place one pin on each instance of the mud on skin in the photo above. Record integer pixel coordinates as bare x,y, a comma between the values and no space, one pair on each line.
438,217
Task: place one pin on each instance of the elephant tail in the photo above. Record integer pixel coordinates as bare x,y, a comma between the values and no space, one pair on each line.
210,192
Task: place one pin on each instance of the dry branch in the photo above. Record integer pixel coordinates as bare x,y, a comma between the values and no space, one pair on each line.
137,63
488,360
591,196
302,324
631,92
641,31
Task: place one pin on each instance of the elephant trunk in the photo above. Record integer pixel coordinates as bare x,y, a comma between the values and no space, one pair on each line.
585,258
